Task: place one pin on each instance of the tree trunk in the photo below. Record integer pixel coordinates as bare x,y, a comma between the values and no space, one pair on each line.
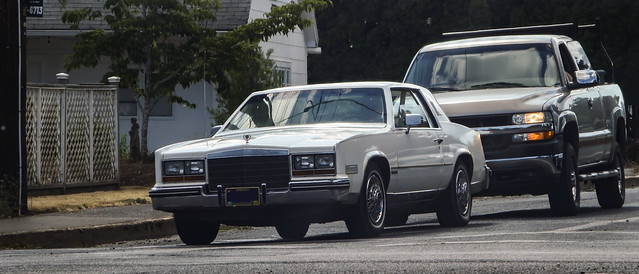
146,111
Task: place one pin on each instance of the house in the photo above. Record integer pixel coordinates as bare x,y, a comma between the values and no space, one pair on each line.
49,41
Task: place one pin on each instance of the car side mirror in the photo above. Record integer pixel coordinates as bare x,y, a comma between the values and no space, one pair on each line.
412,120
215,129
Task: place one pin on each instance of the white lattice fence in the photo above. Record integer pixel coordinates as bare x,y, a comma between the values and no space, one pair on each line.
71,135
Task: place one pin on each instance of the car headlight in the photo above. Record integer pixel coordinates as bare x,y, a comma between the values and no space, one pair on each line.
530,118
318,164
190,170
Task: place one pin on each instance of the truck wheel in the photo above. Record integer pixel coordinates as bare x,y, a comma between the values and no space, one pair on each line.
194,231
293,230
367,218
611,192
565,197
456,204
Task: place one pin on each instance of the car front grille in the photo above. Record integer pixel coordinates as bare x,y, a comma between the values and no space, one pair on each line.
249,171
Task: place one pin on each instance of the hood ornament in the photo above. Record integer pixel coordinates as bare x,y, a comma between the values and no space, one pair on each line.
246,137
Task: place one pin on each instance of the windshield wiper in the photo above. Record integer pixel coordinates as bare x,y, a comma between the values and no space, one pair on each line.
437,89
498,85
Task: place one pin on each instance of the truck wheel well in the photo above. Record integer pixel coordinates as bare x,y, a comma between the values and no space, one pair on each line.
571,136
620,135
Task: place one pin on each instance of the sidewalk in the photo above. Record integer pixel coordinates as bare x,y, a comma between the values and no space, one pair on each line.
96,226
86,228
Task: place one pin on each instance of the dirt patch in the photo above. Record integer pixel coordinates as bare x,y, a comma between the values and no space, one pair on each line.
127,195
137,174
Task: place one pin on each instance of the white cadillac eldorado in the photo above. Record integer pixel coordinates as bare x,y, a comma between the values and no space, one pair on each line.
368,153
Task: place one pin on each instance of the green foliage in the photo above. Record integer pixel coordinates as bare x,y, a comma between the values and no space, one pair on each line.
377,39
123,148
170,43
10,192
256,72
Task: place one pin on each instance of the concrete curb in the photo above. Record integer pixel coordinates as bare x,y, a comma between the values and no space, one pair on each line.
91,235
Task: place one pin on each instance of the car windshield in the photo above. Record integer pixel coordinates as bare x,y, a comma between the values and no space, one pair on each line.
526,65
300,107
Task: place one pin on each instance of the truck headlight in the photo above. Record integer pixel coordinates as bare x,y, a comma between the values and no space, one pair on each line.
313,164
530,118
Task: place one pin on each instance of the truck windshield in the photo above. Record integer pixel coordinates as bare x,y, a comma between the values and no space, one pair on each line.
501,66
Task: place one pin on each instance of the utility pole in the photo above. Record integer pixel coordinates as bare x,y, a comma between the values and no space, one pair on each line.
12,100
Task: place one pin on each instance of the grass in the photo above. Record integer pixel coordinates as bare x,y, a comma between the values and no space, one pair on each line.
127,195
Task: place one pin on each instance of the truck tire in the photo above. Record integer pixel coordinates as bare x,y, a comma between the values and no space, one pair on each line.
565,197
611,192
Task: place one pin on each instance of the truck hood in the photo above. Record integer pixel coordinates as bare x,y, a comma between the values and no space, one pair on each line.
495,101
294,139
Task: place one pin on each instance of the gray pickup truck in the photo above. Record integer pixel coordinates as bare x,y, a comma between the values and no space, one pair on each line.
547,119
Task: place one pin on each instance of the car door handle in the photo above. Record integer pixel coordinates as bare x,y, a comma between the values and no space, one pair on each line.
438,140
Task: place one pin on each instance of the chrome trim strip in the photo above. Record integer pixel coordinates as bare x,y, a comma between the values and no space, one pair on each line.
247,152
413,192
175,191
320,184
525,158
511,129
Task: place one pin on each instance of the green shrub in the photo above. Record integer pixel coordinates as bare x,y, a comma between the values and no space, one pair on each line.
9,197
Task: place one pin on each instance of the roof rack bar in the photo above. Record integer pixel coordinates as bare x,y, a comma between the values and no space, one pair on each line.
569,27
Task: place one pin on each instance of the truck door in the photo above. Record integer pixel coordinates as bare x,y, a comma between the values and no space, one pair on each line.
588,107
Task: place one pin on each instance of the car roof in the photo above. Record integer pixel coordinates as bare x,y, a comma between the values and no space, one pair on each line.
495,40
341,85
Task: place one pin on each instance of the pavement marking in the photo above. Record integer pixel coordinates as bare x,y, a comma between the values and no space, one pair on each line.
595,224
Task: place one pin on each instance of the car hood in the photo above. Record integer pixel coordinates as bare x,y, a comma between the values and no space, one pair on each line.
495,101
294,139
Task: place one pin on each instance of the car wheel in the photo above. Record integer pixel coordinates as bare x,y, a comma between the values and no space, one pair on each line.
611,192
367,218
292,230
396,219
456,204
565,197
194,231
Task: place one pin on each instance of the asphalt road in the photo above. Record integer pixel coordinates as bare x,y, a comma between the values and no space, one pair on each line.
506,234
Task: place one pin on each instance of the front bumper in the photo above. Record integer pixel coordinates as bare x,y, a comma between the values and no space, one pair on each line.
197,197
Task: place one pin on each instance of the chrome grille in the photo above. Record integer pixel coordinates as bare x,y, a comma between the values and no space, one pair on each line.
249,171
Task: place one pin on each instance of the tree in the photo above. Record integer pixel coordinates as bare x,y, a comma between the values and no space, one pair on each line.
163,40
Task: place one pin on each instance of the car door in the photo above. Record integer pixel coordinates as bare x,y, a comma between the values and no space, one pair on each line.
419,150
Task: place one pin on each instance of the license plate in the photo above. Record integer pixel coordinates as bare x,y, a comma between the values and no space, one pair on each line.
242,196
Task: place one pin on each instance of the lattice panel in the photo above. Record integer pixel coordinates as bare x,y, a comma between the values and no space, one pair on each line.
77,137
103,135
50,136
71,134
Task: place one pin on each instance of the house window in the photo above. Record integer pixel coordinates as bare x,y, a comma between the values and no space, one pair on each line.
284,70
126,103
162,108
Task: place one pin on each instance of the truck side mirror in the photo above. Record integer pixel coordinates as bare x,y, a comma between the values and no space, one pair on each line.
585,78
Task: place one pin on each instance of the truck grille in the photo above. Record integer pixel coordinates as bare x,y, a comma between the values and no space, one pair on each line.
483,121
489,142
249,171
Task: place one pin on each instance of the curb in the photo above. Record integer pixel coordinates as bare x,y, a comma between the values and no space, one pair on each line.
91,235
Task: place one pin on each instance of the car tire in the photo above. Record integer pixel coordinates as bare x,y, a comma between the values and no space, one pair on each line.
611,192
368,216
565,197
396,219
194,231
292,230
456,204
